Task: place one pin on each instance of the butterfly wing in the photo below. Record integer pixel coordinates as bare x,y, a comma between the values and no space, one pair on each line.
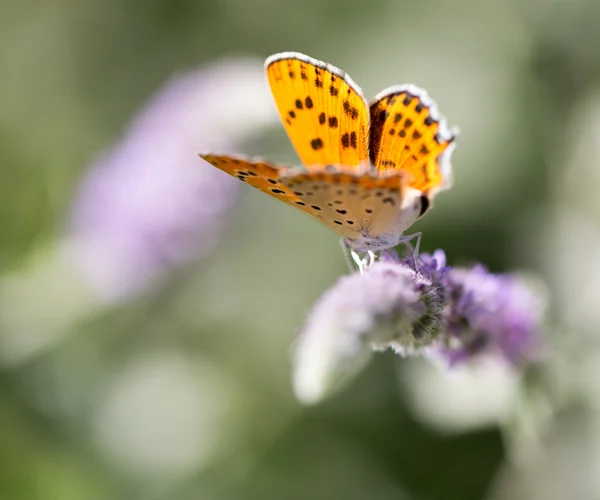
261,175
358,207
408,135
323,111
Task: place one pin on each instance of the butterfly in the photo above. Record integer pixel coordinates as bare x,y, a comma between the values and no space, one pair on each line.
370,170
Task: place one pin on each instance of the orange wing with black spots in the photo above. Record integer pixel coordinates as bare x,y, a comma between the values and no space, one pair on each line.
261,175
348,203
323,111
407,135
361,161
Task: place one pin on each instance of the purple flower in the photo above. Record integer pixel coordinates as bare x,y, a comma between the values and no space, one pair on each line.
491,315
149,204
456,314
388,306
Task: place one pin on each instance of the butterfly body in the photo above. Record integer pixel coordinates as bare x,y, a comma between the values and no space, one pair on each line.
369,170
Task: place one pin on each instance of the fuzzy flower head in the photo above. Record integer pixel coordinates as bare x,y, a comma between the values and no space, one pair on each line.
458,315
388,306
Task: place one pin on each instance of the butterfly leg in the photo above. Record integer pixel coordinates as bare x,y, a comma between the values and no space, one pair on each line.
415,250
372,256
363,262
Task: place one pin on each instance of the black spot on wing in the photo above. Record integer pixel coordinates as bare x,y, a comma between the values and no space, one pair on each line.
317,143
350,110
346,140
382,116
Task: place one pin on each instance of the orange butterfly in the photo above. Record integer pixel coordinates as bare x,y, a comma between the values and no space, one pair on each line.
370,171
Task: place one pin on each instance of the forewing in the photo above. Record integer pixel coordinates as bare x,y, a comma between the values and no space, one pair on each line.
261,175
323,111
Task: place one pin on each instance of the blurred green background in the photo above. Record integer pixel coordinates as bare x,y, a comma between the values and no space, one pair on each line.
183,390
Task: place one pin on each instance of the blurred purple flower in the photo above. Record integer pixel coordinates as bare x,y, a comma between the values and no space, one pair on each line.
149,204
456,314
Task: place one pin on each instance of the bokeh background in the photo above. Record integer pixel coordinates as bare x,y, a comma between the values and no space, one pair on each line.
148,304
